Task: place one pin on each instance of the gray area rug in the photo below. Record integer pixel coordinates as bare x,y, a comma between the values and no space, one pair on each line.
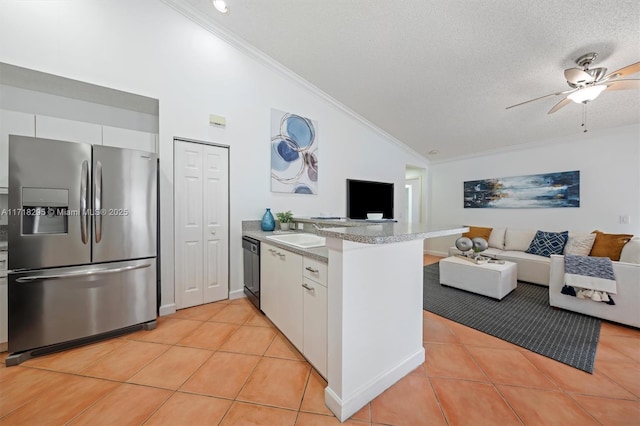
523,318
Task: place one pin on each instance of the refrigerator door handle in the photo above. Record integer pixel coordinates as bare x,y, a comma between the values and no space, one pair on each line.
84,220
97,202
83,273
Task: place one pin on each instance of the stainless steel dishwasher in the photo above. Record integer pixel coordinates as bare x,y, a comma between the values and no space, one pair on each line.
251,261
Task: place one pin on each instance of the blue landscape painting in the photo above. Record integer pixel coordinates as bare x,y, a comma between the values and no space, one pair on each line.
548,190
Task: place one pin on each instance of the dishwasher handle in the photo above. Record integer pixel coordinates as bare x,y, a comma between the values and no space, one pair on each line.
251,245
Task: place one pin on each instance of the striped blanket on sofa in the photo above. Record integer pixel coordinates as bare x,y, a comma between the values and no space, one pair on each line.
589,277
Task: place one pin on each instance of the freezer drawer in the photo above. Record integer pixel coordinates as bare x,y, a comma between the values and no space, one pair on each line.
52,306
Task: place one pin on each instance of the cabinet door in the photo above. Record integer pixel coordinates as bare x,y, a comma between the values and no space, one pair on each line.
290,300
68,130
269,281
281,291
12,123
126,138
315,325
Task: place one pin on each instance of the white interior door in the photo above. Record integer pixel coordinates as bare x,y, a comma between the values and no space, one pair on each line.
201,197
187,166
216,224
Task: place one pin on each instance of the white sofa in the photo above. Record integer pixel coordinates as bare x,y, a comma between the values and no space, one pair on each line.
510,244
627,299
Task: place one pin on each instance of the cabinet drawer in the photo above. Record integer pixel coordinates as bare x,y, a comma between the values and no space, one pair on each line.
314,270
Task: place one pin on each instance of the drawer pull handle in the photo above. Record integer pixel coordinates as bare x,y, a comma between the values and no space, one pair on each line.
310,269
311,289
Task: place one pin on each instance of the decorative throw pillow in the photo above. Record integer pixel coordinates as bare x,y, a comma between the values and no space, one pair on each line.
631,251
518,239
548,243
579,245
609,245
478,231
496,239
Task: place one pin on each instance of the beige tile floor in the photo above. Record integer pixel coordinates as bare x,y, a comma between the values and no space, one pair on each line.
225,364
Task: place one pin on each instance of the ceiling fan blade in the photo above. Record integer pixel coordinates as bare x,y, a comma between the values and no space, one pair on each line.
559,105
542,97
631,83
577,76
623,72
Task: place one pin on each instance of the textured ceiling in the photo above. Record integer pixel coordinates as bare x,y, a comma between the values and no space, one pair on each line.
437,75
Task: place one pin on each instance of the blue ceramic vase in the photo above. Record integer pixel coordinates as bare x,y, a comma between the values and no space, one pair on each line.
268,223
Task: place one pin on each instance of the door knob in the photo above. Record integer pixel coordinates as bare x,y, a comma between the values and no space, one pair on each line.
213,232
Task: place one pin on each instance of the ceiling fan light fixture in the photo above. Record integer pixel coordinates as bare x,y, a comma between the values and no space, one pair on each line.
586,94
221,6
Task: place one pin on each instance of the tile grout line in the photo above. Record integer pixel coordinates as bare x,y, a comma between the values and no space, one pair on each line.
440,406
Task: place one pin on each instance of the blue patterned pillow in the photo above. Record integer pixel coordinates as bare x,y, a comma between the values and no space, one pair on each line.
548,243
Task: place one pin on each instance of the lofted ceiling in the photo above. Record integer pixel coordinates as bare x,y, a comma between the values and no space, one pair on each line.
438,75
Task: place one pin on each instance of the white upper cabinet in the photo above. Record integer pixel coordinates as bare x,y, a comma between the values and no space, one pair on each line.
68,130
24,124
12,123
126,138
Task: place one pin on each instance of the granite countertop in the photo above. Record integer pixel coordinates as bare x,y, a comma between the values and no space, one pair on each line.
370,232
359,231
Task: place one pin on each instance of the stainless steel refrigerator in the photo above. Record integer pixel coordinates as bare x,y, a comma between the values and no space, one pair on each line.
82,243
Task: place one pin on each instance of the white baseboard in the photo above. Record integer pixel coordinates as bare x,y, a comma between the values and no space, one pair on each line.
167,309
343,409
237,294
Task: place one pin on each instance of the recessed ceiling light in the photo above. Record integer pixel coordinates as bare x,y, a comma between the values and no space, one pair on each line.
434,152
221,6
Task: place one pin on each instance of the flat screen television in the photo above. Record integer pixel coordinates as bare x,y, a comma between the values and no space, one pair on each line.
369,197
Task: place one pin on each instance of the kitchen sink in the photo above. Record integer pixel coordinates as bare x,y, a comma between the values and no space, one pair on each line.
300,240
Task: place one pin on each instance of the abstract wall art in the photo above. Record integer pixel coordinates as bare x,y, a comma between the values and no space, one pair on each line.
547,190
294,153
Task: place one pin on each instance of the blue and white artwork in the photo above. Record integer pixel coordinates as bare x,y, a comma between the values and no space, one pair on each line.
294,153
561,189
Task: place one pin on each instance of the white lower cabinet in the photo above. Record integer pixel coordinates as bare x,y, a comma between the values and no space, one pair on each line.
293,295
280,290
314,307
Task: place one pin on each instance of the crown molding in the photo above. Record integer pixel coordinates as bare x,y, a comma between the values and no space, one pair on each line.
196,16
559,140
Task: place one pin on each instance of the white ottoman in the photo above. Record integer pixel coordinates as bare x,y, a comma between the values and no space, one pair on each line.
489,279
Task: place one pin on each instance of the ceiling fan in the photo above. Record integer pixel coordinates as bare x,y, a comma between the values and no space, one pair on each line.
586,83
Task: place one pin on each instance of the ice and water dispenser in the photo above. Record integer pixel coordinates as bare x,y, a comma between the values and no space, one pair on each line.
45,211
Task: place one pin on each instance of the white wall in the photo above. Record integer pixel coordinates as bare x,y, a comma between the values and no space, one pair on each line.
609,164
145,47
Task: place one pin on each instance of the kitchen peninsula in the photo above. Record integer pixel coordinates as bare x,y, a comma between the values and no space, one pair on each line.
374,306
